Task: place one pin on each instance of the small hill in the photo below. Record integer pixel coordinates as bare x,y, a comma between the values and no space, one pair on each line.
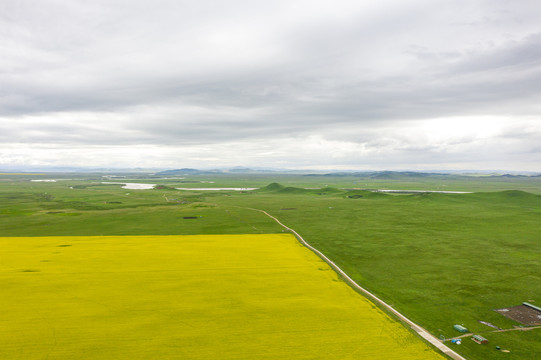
517,197
280,189
273,187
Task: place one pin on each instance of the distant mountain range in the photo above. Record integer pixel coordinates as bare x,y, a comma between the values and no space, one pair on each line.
386,174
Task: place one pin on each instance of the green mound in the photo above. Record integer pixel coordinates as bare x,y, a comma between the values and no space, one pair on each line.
271,187
519,194
280,189
508,196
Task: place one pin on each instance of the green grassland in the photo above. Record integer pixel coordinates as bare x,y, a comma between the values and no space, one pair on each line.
363,180
441,259
186,297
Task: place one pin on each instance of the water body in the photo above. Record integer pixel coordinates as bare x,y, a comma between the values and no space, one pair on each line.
132,186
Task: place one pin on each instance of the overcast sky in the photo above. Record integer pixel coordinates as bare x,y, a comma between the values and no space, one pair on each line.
307,84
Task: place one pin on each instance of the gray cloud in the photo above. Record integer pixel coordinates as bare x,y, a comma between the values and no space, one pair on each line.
362,78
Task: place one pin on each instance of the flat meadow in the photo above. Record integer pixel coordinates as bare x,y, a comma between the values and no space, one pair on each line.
440,259
253,296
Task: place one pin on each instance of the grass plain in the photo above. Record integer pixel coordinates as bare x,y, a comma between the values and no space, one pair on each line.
186,297
440,259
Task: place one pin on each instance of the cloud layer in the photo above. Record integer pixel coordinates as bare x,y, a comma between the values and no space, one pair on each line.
316,84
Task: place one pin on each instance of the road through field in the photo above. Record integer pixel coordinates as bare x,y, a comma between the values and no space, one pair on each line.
418,329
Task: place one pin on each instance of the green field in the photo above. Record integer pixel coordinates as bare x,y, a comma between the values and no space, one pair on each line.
440,259
186,297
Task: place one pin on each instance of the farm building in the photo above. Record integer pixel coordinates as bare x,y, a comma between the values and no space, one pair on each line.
479,339
532,306
460,328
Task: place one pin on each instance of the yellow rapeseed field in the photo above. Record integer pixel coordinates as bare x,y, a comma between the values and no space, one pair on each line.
186,297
